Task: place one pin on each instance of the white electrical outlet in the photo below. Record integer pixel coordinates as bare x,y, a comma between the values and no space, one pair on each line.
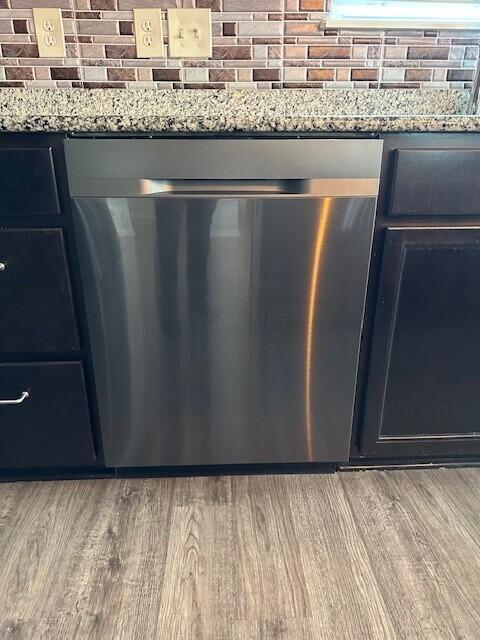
148,33
49,30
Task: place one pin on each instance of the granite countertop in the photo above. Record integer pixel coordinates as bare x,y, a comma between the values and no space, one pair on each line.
296,110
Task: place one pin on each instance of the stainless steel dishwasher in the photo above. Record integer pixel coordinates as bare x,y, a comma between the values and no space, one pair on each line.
225,284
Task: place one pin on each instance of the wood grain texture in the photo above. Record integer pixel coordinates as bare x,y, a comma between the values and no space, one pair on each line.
365,555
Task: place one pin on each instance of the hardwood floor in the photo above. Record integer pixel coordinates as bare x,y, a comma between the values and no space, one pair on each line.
364,555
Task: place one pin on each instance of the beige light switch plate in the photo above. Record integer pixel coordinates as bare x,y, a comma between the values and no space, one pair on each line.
189,33
49,30
148,33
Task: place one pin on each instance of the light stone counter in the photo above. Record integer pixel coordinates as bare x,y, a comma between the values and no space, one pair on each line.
196,111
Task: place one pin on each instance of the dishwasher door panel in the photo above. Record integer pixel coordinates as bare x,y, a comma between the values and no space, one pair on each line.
225,330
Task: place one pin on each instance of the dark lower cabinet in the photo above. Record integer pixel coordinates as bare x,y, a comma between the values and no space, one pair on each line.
45,414
27,182
37,314
423,392
44,417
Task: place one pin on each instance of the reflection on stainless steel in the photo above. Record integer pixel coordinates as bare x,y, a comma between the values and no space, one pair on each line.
323,215
225,329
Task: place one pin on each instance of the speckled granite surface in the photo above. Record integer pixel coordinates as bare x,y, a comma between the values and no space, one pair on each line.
104,110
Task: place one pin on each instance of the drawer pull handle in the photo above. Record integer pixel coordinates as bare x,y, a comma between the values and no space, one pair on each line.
19,400
3,266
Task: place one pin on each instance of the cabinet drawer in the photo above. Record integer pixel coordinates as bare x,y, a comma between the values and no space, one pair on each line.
27,183
50,427
435,182
37,308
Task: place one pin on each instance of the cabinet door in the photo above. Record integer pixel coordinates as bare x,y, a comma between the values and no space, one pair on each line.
44,417
423,395
37,313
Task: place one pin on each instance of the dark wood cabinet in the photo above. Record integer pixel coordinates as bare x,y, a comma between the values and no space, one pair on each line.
438,182
44,345
423,390
27,182
50,426
37,311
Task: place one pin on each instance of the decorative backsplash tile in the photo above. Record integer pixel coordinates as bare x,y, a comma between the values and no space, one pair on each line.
256,43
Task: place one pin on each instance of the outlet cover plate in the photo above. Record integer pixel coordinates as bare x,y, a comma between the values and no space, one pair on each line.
49,30
148,33
189,33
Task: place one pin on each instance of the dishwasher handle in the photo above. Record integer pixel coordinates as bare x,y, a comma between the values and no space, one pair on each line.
213,188
218,187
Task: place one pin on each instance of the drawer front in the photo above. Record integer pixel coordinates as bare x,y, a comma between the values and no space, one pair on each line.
27,183
37,310
435,182
50,427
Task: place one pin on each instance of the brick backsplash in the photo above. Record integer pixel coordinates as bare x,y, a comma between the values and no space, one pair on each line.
265,44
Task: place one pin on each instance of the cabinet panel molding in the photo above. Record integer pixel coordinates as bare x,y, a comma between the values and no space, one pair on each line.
424,377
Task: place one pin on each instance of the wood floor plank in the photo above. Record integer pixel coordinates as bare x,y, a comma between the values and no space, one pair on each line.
387,555
41,554
199,563
199,566
459,490
453,551
397,559
345,597
269,573
9,510
211,490
403,528
258,629
108,563
121,589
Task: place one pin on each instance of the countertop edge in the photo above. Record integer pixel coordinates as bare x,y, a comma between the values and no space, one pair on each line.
294,124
